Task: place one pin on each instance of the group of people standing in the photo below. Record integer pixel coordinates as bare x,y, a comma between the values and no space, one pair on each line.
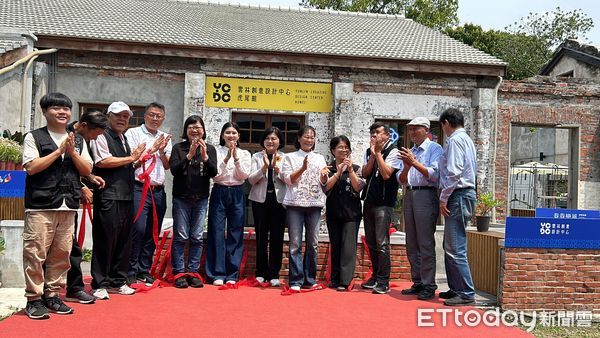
126,170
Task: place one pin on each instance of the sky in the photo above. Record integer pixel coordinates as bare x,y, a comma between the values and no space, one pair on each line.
493,14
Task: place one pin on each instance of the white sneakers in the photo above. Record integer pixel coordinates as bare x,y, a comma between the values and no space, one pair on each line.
218,282
123,290
260,280
230,282
295,288
275,282
100,294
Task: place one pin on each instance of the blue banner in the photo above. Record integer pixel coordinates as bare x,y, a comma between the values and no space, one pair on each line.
12,183
544,232
567,213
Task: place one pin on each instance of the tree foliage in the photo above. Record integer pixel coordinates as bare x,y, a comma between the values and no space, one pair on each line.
437,14
528,44
525,54
525,45
554,27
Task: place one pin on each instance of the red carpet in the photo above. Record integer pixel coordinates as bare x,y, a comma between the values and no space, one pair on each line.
249,312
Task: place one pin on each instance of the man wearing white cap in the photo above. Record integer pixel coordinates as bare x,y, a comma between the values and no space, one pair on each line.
113,205
158,146
420,174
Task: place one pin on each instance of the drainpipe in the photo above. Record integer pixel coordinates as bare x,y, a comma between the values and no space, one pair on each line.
29,58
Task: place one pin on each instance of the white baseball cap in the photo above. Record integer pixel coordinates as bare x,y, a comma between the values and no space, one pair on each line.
119,106
419,121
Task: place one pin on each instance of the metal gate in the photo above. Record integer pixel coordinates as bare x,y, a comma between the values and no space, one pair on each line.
537,185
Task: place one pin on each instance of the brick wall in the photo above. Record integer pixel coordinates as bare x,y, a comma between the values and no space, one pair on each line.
548,102
400,266
550,279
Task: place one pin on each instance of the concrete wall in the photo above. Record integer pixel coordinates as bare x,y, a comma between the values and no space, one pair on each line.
579,69
10,100
528,142
90,86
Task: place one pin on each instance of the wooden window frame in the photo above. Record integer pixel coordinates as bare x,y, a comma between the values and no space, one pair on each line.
289,135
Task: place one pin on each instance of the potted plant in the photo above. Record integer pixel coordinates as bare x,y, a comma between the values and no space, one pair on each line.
485,204
10,155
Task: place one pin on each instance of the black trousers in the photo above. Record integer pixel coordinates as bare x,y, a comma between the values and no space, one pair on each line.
269,221
111,232
342,238
75,275
377,234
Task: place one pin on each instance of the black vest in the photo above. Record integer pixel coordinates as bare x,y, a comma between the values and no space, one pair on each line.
119,181
48,188
378,191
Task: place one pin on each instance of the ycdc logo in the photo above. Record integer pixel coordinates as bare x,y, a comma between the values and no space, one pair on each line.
221,92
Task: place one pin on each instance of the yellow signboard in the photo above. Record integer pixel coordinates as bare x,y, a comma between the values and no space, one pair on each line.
226,92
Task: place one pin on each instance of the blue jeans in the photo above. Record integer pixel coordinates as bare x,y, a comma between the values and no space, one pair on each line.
188,224
142,241
224,253
461,205
303,272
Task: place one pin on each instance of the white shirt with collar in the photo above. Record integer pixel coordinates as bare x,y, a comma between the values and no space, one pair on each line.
138,135
259,179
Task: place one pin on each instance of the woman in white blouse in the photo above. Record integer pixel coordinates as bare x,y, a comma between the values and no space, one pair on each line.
227,206
304,200
266,195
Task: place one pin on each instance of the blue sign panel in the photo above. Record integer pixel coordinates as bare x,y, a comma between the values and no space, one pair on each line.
12,183
544,232
567,213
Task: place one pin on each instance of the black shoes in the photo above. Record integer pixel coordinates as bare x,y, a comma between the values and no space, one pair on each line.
341,288
447,294
145,277
381,289
56,305
35,309
426,294
369,284
80,297
194,282
415,289
131,280
459,301
181,283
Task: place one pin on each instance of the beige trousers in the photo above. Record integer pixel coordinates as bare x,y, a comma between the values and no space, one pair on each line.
47,238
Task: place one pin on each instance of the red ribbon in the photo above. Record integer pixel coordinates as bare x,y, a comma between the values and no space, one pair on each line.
160,248
87,209
145,178
245,254
328,268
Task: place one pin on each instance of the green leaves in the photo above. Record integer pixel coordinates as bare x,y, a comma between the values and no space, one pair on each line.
437,14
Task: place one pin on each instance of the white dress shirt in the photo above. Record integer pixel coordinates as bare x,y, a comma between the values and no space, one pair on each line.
138,135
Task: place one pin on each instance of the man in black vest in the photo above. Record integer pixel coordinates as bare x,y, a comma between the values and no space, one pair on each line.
55,161
113,205
91,124
380,193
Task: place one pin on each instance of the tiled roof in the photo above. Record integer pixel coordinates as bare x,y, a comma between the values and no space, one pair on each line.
8,44
222,26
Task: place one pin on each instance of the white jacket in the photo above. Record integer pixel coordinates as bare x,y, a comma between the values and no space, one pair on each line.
258,179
